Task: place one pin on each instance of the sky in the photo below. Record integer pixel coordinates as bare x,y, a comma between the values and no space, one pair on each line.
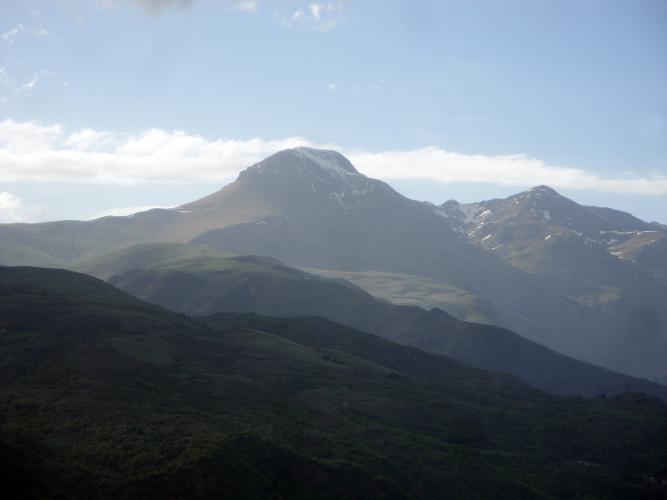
112,106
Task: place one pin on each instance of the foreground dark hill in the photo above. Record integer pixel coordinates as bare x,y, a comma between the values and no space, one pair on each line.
180,278
312,209
103,393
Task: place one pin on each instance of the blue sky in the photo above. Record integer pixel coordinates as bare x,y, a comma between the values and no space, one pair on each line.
481,99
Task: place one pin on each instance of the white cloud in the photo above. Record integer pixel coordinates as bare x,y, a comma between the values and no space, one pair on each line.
33,151
13,209
331,87
28,137
436,164
90,140
323,16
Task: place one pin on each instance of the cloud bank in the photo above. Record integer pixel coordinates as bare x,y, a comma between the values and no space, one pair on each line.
38,152
436,164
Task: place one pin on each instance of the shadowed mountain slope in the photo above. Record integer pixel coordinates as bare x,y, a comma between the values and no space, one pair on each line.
201,286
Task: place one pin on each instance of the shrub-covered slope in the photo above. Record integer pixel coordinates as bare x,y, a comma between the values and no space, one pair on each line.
103,393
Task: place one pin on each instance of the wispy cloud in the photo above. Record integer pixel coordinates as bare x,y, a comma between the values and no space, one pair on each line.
10,35
33,151
29,87
13,209
322,16
157,6
153,6
24,84
10,90
245,6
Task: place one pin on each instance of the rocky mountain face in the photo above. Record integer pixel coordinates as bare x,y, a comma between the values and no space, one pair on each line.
534,263
541,214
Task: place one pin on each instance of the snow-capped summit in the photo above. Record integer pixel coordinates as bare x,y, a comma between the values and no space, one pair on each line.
313,178
325,158
303,160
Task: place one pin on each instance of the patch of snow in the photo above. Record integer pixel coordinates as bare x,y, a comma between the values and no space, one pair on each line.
441,213
326,159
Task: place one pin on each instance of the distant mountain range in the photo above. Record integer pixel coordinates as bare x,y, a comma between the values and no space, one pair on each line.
103,394
587,282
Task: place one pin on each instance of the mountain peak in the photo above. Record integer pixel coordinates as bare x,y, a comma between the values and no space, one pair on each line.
302,159
543,190
325,158
314,178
